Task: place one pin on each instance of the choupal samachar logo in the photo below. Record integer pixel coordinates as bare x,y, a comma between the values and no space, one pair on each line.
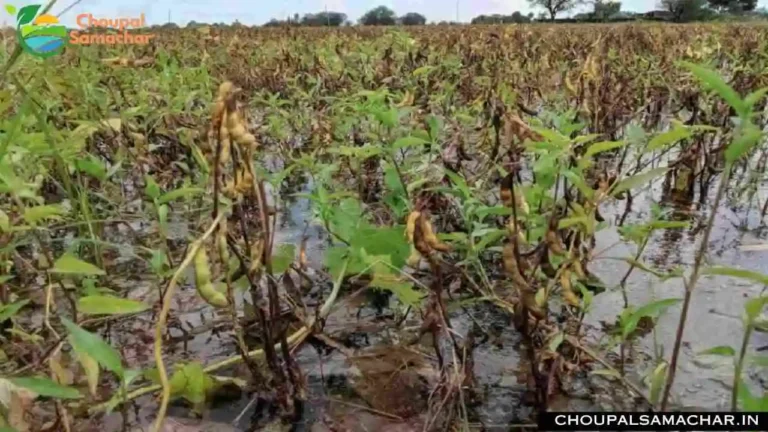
40,35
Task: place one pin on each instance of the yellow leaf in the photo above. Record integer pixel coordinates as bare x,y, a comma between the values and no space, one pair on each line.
91,368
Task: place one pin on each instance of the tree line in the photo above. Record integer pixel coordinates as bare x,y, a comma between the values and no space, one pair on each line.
600,11
381,15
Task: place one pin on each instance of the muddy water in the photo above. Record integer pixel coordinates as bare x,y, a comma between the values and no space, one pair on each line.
335,399
717,303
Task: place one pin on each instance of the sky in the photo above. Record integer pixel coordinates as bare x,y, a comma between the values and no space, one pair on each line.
256,12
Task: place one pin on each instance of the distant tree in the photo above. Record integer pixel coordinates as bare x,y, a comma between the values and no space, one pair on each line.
381,15
193,24
516,17
413,18
555,7
686,10
331,19
604,10
733,6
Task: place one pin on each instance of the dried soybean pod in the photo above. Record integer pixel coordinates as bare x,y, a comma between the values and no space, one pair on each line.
431,238
505,191
410,225
203,281
225,145
554,244
567,293
414,259
419,243
221,243
546,265
579,269
525,292
257,250
510,265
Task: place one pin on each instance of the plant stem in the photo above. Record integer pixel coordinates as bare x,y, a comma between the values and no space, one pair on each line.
294,339
691,284
163,317
740,367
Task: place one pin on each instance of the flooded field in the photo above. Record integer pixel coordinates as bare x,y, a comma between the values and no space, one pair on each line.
377,232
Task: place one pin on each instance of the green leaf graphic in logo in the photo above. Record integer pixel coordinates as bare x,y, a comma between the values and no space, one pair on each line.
27,14
11,9
41,36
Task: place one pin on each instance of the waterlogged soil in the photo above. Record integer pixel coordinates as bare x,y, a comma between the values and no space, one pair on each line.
371,385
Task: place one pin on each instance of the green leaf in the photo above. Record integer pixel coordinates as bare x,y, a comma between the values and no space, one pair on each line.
37,213
722,350
388,118
758,360
10,310
755,97
385,241
423,70
178,193
435,125
602,146
336,256
738,273
11,9
651,310
151,189
491,236
671,136
68,264
162,218
637,180
606,372
753,308
657,382
714,81
5,222
760,325
459,182
283,257
46,387
345,217
750,403
409,141
742,143
484,212
92,167
555,342
159,261
85,342
191,382
580,183
403,290
109,305
26,15
642,266
659,224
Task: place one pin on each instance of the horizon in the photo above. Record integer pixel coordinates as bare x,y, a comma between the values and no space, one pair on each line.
229,11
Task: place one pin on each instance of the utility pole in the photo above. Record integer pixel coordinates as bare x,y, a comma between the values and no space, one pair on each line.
169,16
457,11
